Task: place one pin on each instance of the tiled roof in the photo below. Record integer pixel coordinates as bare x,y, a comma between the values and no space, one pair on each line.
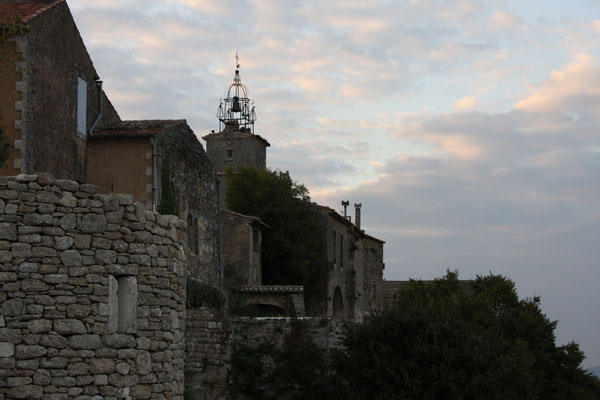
137,128
272,289
25,10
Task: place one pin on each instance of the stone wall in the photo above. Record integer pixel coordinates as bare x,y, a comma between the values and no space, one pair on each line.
195,181
93,294
207,353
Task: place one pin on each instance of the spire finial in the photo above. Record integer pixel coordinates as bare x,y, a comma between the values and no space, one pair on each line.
237,60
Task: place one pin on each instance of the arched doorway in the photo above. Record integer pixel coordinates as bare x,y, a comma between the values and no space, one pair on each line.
338,304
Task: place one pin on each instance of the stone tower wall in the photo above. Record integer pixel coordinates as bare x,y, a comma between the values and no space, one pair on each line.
92,299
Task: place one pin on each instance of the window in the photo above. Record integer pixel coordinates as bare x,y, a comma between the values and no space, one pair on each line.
122,304
255,245
334,246
190,235
229,153
81,106
195,236
341,251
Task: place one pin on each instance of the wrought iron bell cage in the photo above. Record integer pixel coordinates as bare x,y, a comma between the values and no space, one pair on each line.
237,106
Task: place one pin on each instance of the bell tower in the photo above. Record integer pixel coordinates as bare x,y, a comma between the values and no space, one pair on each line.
236,144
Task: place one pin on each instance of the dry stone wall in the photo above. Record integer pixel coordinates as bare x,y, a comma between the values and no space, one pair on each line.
92,299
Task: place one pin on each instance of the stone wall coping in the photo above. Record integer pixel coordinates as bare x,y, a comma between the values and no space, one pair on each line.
272,289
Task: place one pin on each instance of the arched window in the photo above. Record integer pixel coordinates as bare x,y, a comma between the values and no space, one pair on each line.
334,245
338,304
195,237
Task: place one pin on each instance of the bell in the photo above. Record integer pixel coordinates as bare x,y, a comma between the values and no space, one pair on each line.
236,105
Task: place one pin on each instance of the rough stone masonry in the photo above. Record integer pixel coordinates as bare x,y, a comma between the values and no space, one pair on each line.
92,298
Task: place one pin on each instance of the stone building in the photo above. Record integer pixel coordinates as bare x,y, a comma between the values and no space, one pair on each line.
354,283
243,246
81,137
51,95
139,157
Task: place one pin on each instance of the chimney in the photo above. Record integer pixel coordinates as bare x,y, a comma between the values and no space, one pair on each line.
357,215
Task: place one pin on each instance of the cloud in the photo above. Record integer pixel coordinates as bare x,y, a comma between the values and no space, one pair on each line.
569,90
506,21
466,103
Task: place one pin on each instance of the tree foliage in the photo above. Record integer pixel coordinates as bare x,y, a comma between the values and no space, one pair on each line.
454,341
292,248
9,27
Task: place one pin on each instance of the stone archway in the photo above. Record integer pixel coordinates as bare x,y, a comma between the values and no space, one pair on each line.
338,304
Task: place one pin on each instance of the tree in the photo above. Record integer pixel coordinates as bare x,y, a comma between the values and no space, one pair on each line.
455,341
293,250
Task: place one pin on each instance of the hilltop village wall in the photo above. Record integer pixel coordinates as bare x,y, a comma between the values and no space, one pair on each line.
93,294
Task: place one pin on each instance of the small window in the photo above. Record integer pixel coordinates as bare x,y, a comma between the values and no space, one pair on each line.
81,106
255,245
122,304
229,153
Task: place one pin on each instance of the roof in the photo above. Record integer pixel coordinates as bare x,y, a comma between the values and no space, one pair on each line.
218,135
137,128
334,214
26,11
252,219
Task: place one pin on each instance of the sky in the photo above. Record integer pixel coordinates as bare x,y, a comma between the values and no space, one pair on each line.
468,129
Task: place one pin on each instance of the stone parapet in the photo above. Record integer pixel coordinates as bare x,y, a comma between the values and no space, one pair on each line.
92,294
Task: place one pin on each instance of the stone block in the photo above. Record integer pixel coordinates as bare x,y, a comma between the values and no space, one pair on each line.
143,363
8,231
37,219
21,250
67,185
85,342
47,197
120,341
71,258
23,352
39,325
12,307
106,256
5,256
54,341
88,188
68,221
42,377
69,327
63,242
68,200
26,392
101,366
93,223
24,178
6,349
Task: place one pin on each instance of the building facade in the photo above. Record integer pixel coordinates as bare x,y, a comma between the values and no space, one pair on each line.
52,97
